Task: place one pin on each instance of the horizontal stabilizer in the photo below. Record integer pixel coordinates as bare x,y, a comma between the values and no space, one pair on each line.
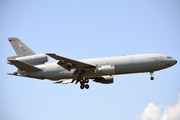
64,81
19,75
13,74
24,66
69,64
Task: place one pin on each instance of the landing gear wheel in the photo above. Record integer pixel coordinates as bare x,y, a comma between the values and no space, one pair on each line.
86,86
152,78
82,81
82,87
86,81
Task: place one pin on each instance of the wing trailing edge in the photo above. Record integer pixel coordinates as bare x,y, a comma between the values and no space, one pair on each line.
69,64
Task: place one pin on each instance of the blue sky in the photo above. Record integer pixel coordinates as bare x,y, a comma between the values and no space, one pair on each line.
89,29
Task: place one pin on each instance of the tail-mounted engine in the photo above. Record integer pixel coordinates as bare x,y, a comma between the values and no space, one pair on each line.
31,59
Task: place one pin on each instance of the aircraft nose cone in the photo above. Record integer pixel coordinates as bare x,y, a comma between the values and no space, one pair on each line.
175,61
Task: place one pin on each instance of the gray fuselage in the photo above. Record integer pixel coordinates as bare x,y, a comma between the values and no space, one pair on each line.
122,64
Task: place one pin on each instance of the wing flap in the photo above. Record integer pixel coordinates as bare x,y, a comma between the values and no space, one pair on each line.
69,64
24,66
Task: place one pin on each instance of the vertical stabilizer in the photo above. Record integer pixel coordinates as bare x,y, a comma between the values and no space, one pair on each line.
20,48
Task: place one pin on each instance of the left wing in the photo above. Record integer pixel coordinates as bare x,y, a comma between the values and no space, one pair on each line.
69,64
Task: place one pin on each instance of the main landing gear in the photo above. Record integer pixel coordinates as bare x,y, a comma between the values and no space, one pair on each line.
152,78
81,79
83,83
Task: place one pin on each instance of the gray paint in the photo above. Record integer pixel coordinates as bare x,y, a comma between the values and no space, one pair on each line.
19,47
61,70
123,65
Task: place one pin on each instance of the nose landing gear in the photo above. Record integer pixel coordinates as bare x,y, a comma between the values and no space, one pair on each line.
152,78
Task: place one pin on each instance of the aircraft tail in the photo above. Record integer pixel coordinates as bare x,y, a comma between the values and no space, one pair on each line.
20,48
25,54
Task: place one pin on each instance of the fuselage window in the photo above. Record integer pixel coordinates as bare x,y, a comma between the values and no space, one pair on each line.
168,57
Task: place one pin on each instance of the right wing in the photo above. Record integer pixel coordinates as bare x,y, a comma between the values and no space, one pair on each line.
64,81
24,66
69,64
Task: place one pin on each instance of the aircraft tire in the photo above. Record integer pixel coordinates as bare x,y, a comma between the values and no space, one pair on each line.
152,78
86,86
82,87
81,81
86,81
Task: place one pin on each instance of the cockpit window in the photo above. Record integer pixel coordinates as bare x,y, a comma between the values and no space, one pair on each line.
168,57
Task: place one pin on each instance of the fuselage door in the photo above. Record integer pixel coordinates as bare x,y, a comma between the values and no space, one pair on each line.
131,60
131,67
161,58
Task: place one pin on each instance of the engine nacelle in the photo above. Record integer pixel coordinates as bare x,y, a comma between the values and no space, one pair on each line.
106,70
34,59
104,79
